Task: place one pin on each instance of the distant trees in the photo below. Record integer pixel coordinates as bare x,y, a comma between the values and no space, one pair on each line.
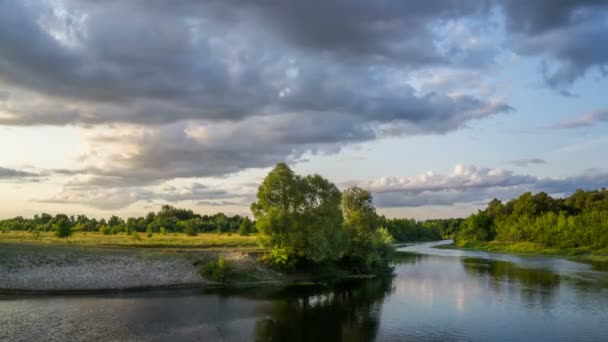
169,219
307,219
580,220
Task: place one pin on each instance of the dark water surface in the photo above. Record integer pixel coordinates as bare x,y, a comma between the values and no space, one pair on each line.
435,295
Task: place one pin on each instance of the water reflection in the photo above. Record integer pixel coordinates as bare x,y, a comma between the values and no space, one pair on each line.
346,313
446,297
537,286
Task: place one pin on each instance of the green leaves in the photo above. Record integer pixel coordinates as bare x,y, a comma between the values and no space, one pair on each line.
308,219
299,217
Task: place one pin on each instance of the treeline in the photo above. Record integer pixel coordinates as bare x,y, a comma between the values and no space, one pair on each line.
580,220
410,230
167,220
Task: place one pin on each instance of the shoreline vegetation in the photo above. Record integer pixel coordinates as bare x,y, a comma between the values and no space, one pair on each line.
597,258
575,227
304,230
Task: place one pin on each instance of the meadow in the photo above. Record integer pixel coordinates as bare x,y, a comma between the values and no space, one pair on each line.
168,240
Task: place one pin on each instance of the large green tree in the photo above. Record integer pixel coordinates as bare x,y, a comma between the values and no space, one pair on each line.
370,245
299,217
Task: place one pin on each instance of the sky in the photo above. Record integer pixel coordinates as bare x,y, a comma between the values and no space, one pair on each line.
118,107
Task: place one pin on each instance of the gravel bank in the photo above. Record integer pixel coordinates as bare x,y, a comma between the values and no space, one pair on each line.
45,268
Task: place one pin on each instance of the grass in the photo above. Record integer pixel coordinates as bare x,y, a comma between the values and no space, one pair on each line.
523,248
597,258
169,240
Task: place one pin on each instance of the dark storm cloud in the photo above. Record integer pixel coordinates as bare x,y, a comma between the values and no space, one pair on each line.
153,63
570,36
222,86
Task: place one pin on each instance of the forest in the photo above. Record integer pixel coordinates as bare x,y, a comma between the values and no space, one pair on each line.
579,220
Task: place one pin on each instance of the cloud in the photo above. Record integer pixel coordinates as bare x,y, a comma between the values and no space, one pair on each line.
221,203
470,184
569,36
585,119
193,89
17,175
119,198
527,162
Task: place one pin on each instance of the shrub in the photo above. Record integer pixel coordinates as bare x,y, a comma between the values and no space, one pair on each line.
62,229
135,236
219,270
191,229
105,230
280,259
163,231
149,232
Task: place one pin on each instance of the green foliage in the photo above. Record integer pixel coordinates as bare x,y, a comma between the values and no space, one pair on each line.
410,230
305,220
190,227
477,227
370,248
149,232
173,220
246,227
220,270
577,221
62,228
163,231
105,230
299,217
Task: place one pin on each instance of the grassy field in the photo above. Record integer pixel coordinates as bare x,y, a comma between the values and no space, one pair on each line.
169,240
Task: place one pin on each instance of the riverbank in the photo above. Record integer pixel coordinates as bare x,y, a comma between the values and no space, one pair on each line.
598,258
68,269
39,268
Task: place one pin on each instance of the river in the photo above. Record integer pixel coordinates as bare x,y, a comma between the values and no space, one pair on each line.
434,295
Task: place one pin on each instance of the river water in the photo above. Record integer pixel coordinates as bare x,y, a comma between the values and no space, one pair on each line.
434,295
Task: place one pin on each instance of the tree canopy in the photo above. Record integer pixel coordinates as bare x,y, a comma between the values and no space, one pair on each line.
306,218
580,220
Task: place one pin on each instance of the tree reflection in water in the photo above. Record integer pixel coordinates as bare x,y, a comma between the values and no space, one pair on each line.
345,313
537,286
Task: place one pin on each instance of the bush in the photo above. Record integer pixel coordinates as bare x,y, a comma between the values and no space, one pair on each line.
219,270
190,230
62,229
279,259
163,231
135,236
105,230
149,232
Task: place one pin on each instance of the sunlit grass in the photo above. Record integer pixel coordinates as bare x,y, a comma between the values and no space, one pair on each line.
203,240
